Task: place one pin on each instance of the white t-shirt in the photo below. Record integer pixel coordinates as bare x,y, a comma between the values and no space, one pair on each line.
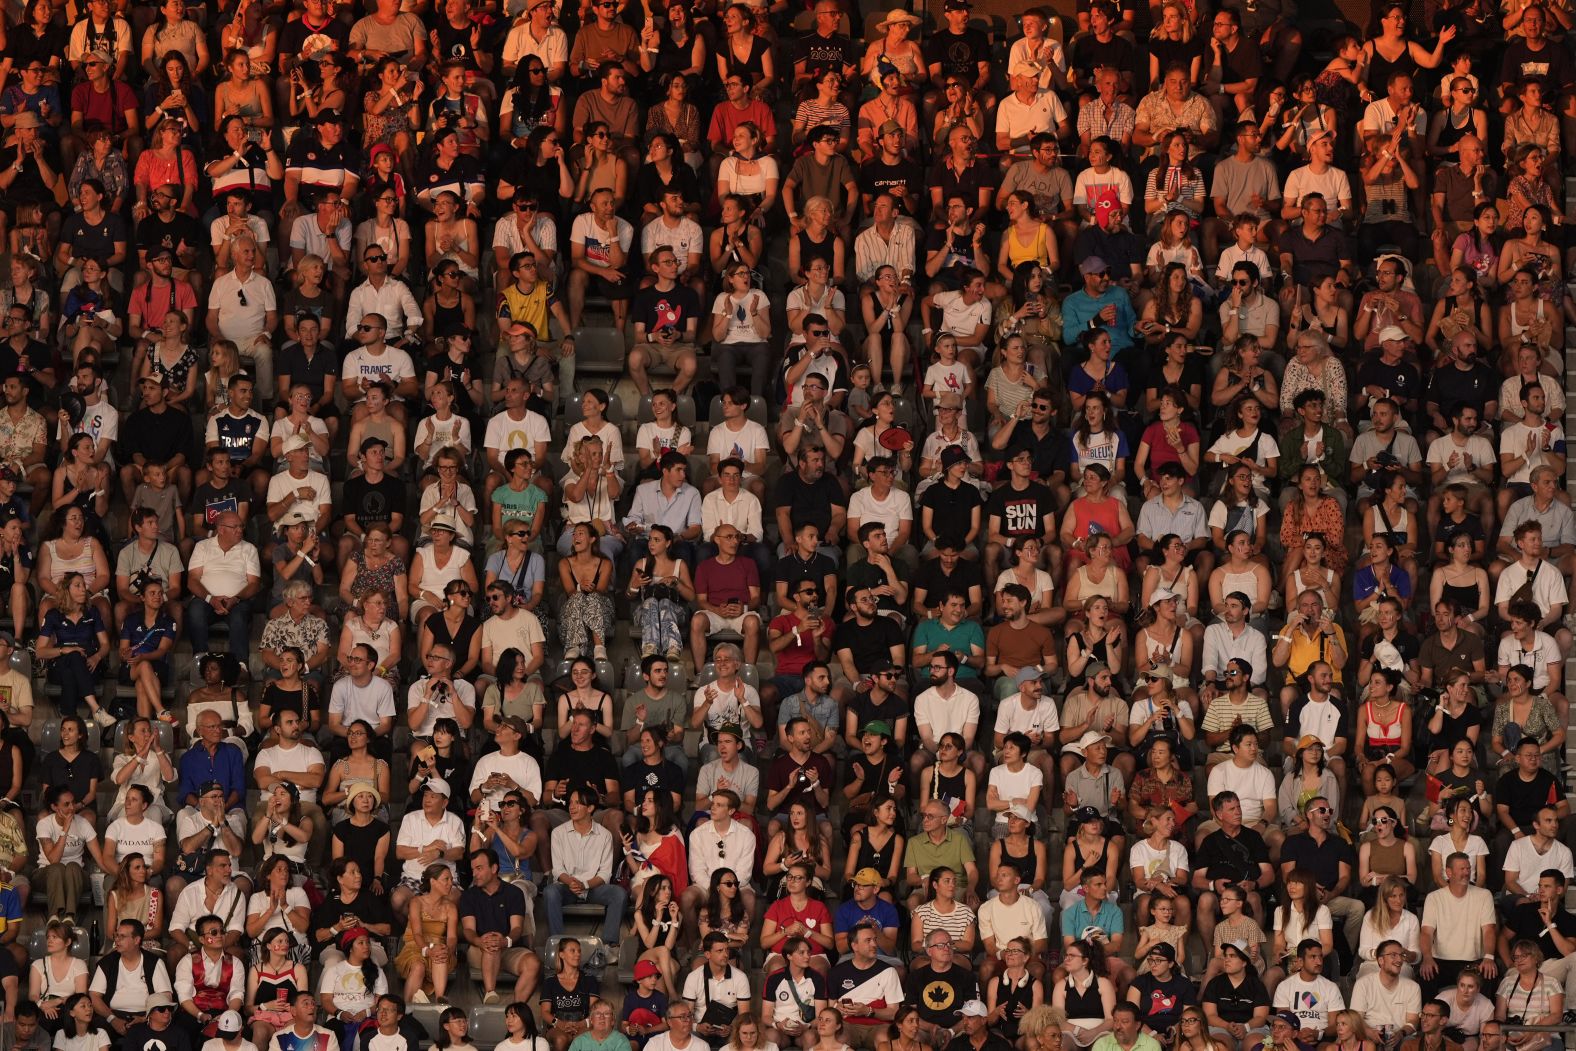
392,366
1513,441
1333,184
737,330
1312,1001
1524,860
944,715
1145,856
1011,785
586,233
729,991
897,508
505,433
960,318
1297,929
1253,786
76,833
345,982
1015,118
285,483
371,703
745,443
685,239
140,838
1477,448
521,767
1011,716
298,760
1547,650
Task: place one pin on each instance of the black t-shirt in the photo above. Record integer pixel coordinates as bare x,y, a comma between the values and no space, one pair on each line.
361,846
674,309
868,644
591,769
372,502
570,1005
1160,1003
1406,644
1552,64
889,711
1089,54
34,355
793,571
1471,525
1323,860
1051,453
154,232
936,582
76,774
367,907
1022,513
210,501
875,774
1245,63
901,179
1402,380
958,53
951,510
1316,259
1232,858
641,778
1451,386
809,501
1522,798
294,34
939,997
1524,921
1236,1003
143,1037
159,436
967,183
292,362
820,53
864,575
93,239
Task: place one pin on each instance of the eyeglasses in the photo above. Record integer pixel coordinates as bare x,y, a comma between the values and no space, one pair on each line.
240,294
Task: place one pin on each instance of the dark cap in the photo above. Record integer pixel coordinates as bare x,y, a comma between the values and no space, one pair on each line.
329,116
160,252
953,455
957,5
209,786
371,442
1085,813
1165,949
882,665
457,328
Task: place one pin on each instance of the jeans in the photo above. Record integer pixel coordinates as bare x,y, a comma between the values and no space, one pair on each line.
610,896
199,616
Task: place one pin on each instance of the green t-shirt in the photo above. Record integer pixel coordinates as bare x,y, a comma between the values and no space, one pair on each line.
931,635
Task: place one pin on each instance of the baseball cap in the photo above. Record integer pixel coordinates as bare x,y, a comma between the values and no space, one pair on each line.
1239,947
867,877
973,1008
733,730
646,969
957,5
1025,675
517,724
891,126
1289,1017
230,1022
299,441
440,786
1090,737
1092,264
329,116
7,638
1021,812
294,518
1165,949
160,252
1392,332
1084,814
876,726
209,786
368,443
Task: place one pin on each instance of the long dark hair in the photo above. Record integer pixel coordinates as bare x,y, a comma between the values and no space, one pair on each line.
714,905
1081,428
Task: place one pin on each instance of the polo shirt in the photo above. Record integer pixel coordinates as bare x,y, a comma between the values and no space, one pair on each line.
932,634
1077,918
1323,860
924,855
492,912
1236,1003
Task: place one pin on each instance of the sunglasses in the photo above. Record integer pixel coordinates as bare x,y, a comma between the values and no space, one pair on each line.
366,328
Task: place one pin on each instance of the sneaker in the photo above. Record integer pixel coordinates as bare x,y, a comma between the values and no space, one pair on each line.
599,652
104,719
419,997
491,997
610,954
1570,1017
167,717
674,655
571,652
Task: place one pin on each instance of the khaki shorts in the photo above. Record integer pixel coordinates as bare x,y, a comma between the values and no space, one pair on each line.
667,353
513,958
863,1036
716,623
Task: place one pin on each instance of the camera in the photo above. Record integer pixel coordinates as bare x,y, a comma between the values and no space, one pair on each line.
141,580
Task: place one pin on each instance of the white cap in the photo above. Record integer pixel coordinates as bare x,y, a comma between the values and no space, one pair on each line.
230,1022
440,786
974,1009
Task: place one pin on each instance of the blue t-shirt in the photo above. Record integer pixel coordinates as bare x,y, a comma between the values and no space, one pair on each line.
145,637
656,1004
849,915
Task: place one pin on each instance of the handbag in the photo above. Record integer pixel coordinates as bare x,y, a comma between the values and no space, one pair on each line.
190,864
806,1011
717,1014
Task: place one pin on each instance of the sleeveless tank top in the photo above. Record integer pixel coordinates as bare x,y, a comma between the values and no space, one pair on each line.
1034,252
1022,864
1462,596
810,249
269,985
1086,1004
874,857
1383,735
1247,583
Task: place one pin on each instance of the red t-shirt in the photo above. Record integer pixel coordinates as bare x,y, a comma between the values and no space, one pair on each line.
722,584
814,916
792,660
